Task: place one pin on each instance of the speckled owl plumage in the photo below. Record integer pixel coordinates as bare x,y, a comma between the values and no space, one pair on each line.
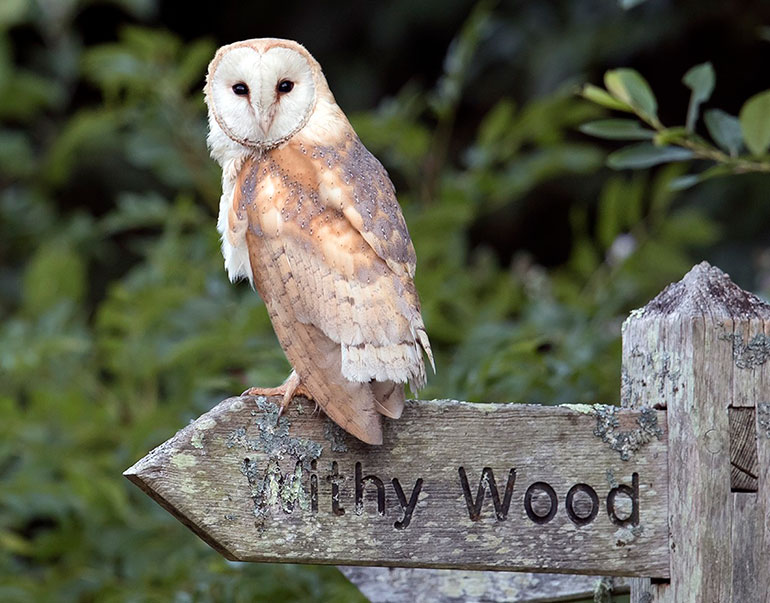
311,218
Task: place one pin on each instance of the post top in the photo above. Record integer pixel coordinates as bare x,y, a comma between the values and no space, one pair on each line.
705,291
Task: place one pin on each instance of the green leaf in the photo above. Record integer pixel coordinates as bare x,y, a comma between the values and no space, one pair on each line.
16,154
459,58
192,65
496,123
755,122
136,211
725,129
687,227
112,67
689,180
628,86
609,222
56,272
619,207
601,97
669,135
88,129
700,79
26,94
661,196
13,12
646,155
684,182
617,129
16,544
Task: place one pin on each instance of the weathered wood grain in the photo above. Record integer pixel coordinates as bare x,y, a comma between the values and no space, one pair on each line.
698,349
743,449
761,527
396,585
746,561
304,491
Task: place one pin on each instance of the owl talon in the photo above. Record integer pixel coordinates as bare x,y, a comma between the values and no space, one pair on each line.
290,388
264,391
287,398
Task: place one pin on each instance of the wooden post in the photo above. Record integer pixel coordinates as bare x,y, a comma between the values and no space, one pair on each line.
672,490
700,350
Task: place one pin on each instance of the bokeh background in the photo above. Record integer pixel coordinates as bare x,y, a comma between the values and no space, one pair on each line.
118,325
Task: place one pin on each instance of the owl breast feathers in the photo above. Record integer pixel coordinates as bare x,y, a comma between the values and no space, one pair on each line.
311,218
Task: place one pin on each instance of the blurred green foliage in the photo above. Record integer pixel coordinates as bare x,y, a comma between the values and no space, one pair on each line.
119,325
627,91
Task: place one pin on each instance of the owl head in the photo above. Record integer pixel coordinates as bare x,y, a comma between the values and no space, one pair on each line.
262,92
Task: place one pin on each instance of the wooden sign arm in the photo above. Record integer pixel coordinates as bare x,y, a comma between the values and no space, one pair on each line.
673,489
490,486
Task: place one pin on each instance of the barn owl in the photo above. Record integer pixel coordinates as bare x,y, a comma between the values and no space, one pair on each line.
310,217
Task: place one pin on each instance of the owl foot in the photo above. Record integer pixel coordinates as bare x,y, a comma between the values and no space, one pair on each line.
290,388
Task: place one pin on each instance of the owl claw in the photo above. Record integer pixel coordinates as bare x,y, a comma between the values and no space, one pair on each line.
264,391
290,388
287,397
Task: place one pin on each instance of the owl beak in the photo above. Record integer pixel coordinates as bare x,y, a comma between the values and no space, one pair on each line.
263,116
265,121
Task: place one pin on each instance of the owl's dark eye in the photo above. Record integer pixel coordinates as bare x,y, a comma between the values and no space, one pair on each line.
285,86
241,89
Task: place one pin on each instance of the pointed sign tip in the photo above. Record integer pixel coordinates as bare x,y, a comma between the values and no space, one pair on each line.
131,472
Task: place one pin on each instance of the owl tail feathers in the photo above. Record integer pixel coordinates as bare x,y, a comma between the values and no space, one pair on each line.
389,398
422,337
350,405
318,362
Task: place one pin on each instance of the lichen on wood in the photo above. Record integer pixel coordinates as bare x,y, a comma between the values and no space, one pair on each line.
626,443
752,354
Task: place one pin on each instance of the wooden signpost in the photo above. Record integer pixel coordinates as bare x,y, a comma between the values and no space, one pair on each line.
671,489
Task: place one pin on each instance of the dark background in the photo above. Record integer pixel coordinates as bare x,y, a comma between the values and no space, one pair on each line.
119,325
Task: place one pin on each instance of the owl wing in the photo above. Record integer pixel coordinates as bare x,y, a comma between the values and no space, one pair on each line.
349,254
388,336
331,257
367,198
